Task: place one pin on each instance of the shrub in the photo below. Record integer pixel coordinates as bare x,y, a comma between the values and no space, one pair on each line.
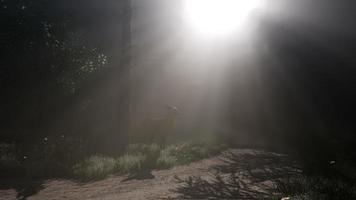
130,163
9,161
95,167
186,153
8,155
166,158
141,157
316,188
151,151
50,157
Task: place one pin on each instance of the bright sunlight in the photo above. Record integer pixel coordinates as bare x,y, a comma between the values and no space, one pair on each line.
218,17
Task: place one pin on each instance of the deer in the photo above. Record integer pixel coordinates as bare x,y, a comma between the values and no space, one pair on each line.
158,128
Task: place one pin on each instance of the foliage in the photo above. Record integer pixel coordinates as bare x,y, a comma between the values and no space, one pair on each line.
57,62
303,188
166,159
151,151
131,163
188,152
98,166
9,162
143,157
48,158
51,157
49,45
95,167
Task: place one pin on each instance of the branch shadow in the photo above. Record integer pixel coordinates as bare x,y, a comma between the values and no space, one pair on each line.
241,174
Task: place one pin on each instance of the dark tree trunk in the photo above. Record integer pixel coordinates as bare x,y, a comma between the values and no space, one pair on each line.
124,101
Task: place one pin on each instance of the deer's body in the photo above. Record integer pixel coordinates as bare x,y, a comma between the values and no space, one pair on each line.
158,128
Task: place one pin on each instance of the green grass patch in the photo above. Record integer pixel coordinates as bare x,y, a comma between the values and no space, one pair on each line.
188,152
95,167
130,163
316,188
139,157
167,159
150,151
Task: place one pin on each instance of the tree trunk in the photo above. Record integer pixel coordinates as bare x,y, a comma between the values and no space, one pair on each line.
124,107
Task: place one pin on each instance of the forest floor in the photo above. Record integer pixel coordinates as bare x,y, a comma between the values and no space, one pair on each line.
237,173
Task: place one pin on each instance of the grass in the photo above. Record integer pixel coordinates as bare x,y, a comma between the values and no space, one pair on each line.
150,151
139,157
50,158
328,174
9,162
187,152
46,157
166,159
94,167
8,156
130,163
316,188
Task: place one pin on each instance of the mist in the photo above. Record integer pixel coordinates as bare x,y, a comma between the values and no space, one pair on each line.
138,86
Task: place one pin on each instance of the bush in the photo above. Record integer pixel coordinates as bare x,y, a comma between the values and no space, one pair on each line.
8,155
130,163
95,167
151,151
141,157
166,158
50,157
315,188
9,161
189,152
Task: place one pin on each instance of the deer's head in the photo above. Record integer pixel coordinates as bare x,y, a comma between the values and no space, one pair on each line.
172,111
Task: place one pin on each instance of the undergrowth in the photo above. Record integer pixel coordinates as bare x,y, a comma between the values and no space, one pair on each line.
316,188
140,157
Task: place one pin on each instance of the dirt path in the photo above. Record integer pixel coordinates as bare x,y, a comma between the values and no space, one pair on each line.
163,184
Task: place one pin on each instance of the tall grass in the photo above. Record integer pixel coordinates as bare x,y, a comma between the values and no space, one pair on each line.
130,163
9,161
316,188
47,157
94,167
186,153
140,157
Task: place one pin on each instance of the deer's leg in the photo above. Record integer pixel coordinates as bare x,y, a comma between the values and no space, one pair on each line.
162,139
152,137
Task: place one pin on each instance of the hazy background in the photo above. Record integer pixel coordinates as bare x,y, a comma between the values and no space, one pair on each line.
287,74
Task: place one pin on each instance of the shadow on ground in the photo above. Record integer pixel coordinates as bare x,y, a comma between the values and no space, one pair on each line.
145,174
243,174
24,188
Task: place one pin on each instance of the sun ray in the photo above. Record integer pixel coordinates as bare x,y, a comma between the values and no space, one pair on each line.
218,17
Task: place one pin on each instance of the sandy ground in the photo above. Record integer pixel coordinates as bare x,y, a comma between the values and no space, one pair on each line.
159,184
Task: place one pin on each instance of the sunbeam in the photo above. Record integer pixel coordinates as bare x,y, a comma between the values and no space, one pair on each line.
218,17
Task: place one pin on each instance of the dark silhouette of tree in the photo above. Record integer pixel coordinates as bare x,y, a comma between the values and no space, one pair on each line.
124,104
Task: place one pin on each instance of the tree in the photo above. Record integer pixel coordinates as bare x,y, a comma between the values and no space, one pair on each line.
44,62
124,104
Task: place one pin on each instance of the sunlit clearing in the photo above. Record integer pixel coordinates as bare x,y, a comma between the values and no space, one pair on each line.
218,17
